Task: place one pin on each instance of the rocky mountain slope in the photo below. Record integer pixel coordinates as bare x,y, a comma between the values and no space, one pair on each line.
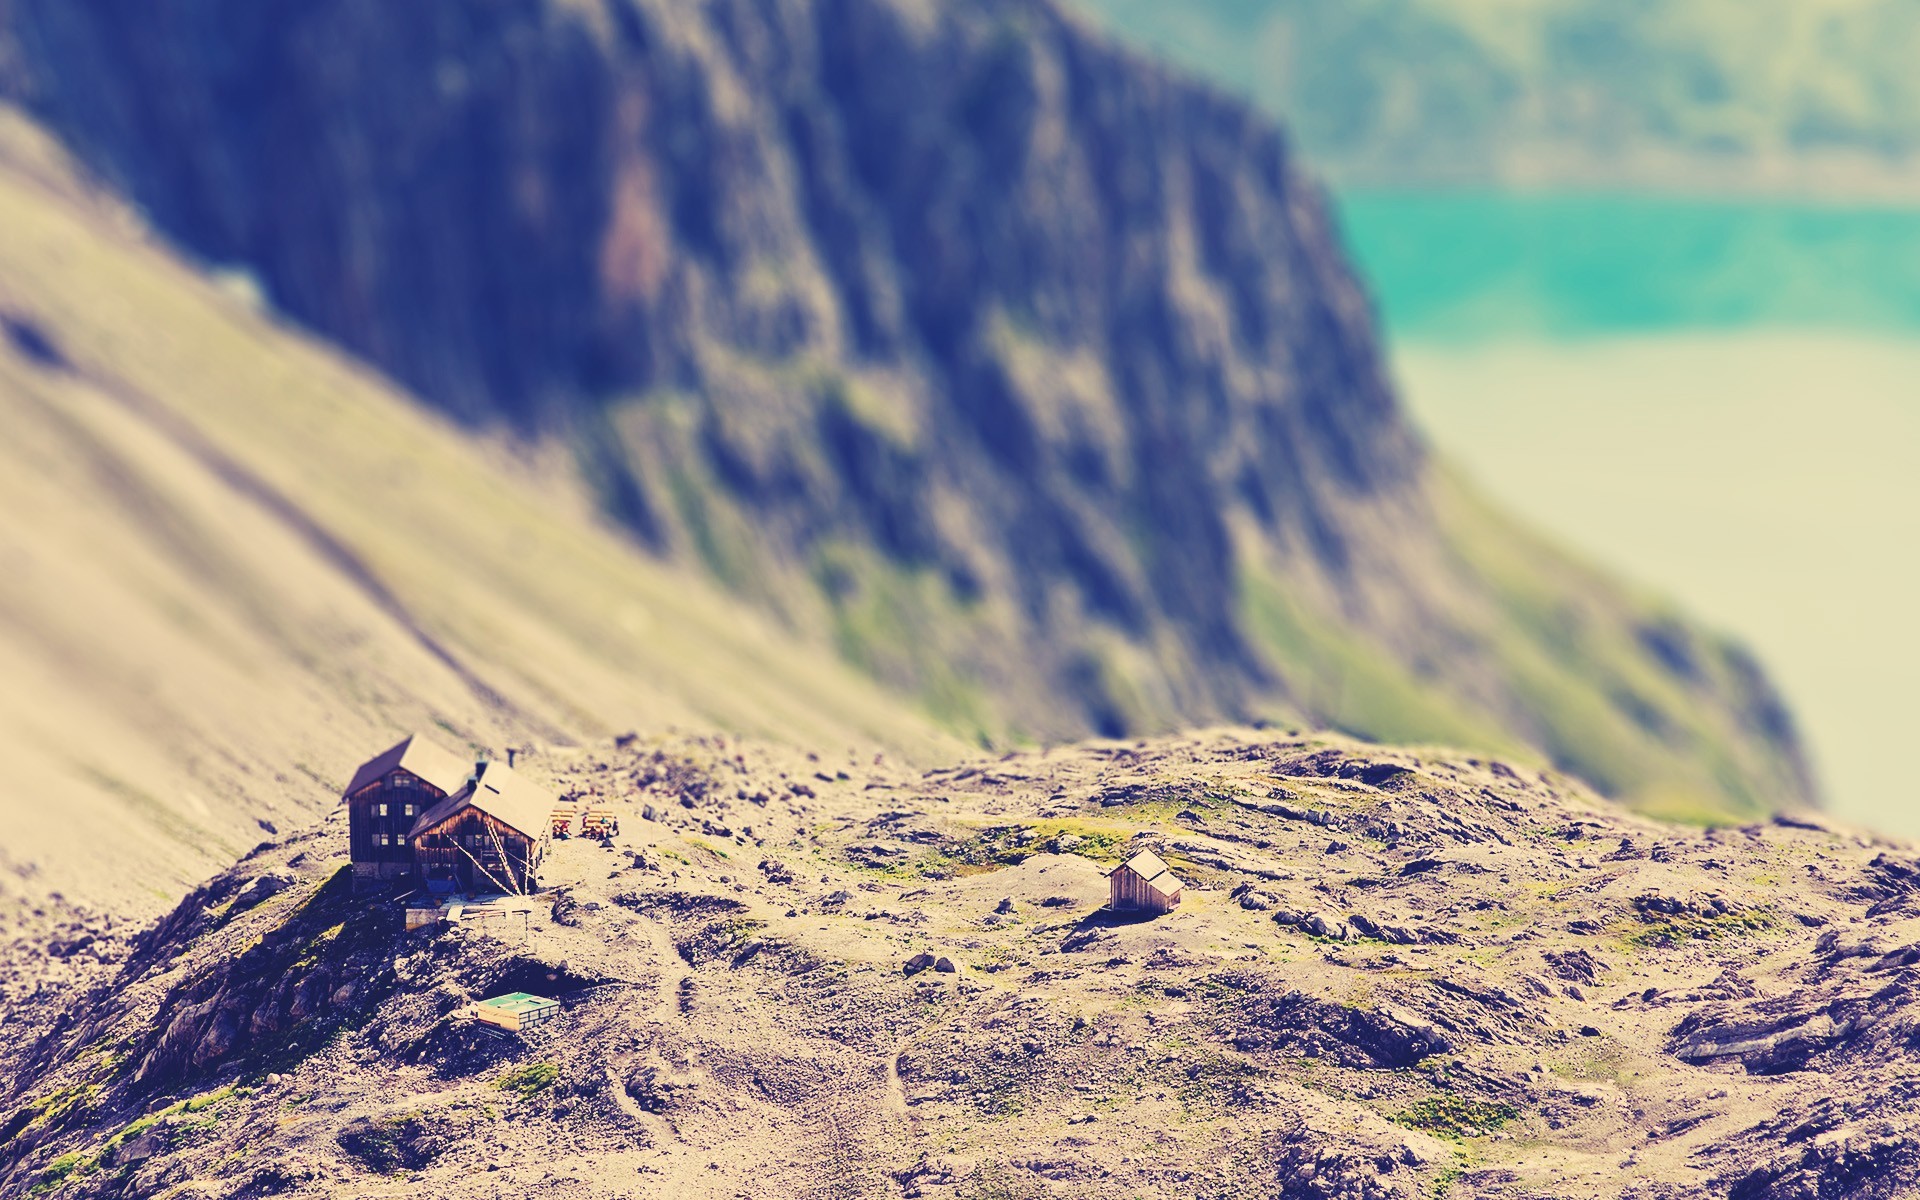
1804,95
230,562
1026,374
1393,975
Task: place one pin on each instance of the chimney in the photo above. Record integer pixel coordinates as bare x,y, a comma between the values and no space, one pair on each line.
510,753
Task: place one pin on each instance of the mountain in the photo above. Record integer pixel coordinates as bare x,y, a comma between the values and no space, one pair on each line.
1792,95
1391,976
1028,375
231,561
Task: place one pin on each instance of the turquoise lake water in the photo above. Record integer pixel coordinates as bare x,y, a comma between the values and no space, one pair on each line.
1720,401
1455,266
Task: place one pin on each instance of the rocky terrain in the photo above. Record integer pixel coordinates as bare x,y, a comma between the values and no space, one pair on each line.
1025,374
829,975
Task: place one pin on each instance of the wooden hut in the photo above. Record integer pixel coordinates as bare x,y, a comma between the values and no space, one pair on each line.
516,1011
1143,884
490,837
388,794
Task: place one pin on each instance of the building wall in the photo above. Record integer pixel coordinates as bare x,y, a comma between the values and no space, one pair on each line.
480,853
379,817
1128,891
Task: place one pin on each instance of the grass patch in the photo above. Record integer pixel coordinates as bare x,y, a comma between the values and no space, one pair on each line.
1010,845
1665,931
81,1162
909,626
528,1081
1455,1117
58,1172
1350,684
1450,1175
54,1109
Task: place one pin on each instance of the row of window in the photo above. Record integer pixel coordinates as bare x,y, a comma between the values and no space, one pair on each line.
380,810
477,841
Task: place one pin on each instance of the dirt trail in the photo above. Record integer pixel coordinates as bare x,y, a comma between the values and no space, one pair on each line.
897,1090
674,974
898,1107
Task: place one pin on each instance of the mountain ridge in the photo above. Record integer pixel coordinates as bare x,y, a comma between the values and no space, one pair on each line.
1717,97
1392,975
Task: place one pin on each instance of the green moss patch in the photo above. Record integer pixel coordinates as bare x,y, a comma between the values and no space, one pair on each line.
1661,930
1010,845
528,1081
1453,1116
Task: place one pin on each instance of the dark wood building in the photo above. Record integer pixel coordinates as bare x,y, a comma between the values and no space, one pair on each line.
1143,884
421,811
489,837
388,795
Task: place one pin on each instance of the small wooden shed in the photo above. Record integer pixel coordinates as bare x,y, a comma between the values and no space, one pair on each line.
516,1010
1144,884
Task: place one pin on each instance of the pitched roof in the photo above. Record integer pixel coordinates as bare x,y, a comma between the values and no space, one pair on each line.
510,798
1147,865
1165,884
430,761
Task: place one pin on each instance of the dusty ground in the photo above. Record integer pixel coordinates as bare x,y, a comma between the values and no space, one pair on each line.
1392,977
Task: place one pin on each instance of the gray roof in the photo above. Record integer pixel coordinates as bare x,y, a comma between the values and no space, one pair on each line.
510,798
416,755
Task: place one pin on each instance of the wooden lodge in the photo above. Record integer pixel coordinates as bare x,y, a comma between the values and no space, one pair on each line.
389,794
421,812
1143,884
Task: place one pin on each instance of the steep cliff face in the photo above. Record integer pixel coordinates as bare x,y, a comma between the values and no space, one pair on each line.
1029,373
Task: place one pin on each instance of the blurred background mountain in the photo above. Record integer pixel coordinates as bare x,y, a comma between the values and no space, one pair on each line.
1807,94
1022,376
1651,270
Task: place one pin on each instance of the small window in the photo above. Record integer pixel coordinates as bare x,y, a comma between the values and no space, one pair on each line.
384,839
406,810
380,810
399,839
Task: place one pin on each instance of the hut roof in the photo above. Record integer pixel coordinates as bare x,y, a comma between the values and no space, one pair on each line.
416,755
519,1002
510,798
1146,865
